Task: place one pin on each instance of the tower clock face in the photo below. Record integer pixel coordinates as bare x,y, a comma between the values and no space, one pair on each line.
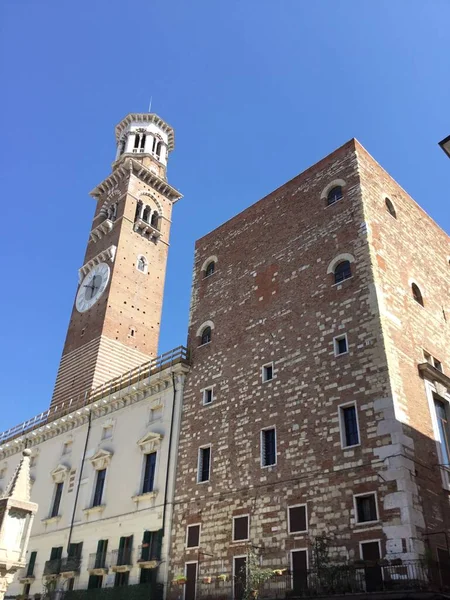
92,287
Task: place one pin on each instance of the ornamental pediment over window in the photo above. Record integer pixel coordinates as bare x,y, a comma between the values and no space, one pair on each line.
150,442
59,474
101,459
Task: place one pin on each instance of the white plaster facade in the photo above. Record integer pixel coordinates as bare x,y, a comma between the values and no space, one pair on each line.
114,432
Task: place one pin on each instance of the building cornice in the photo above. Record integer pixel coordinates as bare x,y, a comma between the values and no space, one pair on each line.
146,118
133,167
145,381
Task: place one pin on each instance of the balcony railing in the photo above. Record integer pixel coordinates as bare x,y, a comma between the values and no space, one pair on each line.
70,564
99,560
122,557
127,382
147,553
52,567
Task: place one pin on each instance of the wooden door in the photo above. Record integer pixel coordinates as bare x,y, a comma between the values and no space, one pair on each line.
373,573
190,587
299,569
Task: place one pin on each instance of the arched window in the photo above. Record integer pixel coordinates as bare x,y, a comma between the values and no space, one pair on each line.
146,214
342,271
390,208
206,336
122,146
136,142
142,144
417,294
158,149
334,195
112,212
155,220
142,264
138,210
210,268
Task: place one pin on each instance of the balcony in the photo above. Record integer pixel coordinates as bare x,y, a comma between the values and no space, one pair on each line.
145,228
52,568
121,560
27,574
70,566
148,558
99,563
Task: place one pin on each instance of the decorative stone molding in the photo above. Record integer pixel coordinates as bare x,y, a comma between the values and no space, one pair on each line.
142,497
94,509
338,259
203,326
101,230
145,118
330,186
101,459
150,442
210,259
108,254
60,473
439,379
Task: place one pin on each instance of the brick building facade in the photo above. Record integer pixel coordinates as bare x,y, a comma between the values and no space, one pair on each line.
317,400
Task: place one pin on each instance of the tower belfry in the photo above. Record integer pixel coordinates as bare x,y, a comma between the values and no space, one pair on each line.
115,319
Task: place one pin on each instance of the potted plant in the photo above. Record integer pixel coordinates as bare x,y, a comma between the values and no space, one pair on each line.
207,579
279,572
180,579
222,577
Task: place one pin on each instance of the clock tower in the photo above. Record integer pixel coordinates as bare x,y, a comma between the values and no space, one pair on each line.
116,315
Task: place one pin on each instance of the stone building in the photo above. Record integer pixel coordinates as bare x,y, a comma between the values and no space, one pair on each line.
312,400
318,400
103,456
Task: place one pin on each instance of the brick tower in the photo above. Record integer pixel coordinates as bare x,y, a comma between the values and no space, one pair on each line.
116,314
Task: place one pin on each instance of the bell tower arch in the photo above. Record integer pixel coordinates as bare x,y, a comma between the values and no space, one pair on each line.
115,320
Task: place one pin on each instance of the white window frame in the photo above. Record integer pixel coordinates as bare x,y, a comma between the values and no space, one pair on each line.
191,562
155,476
203,391
342,424
145,271
198,463
336,339
361,544
355,508
289,519
263,372
248,528
261,454
291,562
234,567
199,525
431,391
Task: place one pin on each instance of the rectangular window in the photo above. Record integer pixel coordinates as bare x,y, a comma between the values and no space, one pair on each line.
95,582
100,555
56,553
442,422
190,587
125,549
99,486
193,536
268,447
31,564
207,395
297,518
348,421
366,508
26,589
267,372
56,500
204,464
340,344
149,472
240,528
121,579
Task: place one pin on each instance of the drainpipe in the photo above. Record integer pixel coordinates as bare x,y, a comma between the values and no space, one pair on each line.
79,481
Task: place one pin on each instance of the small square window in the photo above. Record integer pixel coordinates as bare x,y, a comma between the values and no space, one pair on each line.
208,395
240,528
340,344
267,372
366,508
297,518
193,536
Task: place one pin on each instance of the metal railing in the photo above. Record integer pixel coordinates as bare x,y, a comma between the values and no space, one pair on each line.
70,563
121,557
99,560
52,567
361,577
147,552
132,378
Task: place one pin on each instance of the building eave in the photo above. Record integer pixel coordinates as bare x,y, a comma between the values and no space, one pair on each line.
146,118
129,167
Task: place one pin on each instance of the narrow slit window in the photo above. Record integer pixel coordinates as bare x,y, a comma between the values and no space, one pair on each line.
417,294
349,426
267,372
390,208
149,472
268,447
99,487
340,345
57,500
204,464
207,395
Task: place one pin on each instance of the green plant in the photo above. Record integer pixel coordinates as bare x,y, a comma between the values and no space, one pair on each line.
256,576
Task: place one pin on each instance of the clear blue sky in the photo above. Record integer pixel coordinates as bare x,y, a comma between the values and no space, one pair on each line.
257,90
